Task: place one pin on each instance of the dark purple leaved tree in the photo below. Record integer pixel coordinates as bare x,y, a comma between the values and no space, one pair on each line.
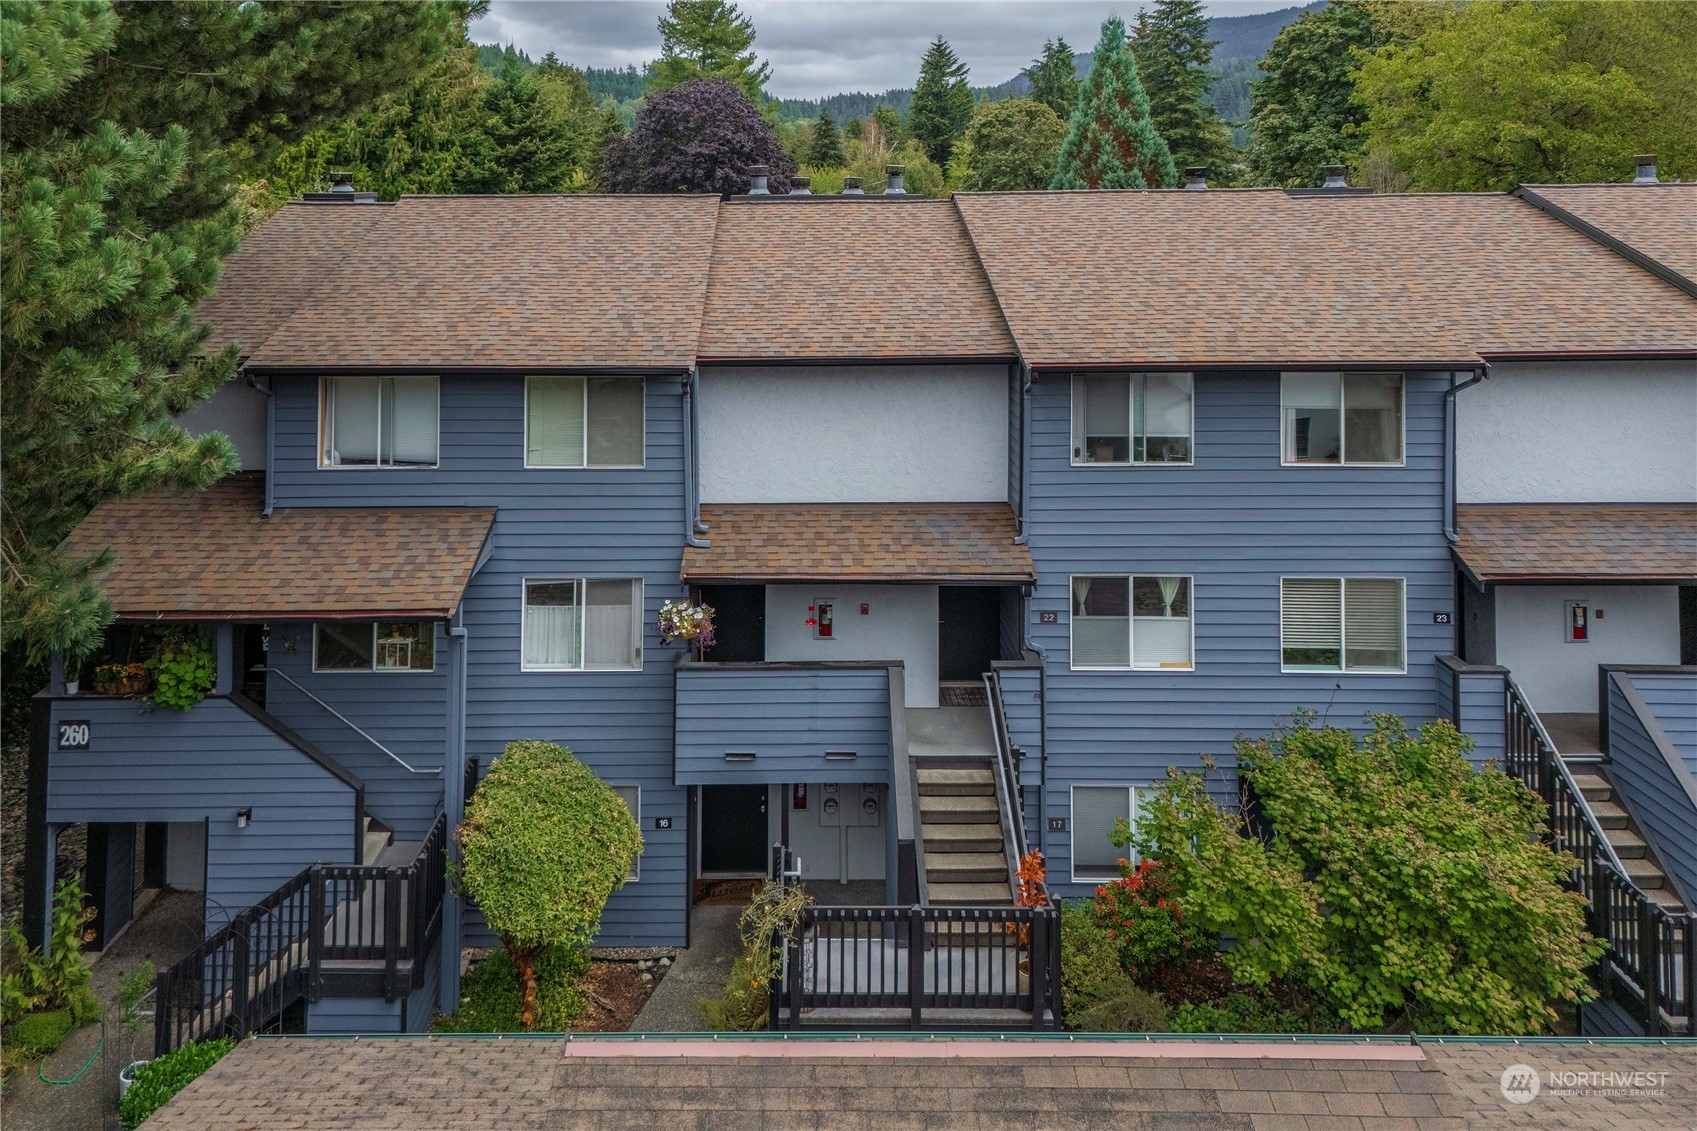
699,136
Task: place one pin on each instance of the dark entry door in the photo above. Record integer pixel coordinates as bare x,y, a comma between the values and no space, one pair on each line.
733,828
739,623
969,627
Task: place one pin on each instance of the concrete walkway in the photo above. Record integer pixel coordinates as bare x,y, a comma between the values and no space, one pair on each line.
699,972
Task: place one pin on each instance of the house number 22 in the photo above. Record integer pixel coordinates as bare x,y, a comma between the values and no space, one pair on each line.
73,734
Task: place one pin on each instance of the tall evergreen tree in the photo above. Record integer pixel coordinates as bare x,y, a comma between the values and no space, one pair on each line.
1110,140
826,150
1305,115
708,39
942,102
1054,77
128,128
1173,56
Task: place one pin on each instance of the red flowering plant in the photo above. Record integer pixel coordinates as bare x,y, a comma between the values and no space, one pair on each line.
1142,916
1031,890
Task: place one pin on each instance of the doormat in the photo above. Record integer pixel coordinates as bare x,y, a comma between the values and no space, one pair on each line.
961,695
725,891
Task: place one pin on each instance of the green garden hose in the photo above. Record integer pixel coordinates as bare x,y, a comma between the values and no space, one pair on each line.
41,1069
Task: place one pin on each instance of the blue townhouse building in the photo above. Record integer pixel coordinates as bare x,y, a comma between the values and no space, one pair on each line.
1006,505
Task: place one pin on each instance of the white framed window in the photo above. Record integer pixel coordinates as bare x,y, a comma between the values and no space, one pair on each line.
374,646
1096,811
1140,621
583,422
379,421
1132,418
582,624
631,795
1351,624
1341,419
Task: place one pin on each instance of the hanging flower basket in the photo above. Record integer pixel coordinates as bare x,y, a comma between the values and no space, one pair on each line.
684,620
121,679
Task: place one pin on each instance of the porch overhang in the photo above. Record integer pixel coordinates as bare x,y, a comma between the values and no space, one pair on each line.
938,543
215,556
1610,543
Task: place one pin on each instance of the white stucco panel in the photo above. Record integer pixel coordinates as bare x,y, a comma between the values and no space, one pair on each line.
860,434
1579,432
1629,624
900,623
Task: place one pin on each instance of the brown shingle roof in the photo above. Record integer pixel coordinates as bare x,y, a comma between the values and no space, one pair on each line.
860,542
854,278
1578,541
511,281
1262,277
1658,221
213,556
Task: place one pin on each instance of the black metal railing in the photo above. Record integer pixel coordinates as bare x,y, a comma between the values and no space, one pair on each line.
892,965
273,954
1007,767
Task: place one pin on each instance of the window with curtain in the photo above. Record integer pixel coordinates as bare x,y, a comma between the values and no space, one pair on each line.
379,422
1096,810
382,646
631,795
1342,624
1342,418
1131,622
1160,622
1128,418
583,422
582,625
1101,622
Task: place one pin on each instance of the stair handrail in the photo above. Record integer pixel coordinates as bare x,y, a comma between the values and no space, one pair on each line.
355,727
1550,758
1007,768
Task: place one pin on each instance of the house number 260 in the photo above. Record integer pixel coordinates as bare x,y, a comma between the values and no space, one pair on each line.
73,734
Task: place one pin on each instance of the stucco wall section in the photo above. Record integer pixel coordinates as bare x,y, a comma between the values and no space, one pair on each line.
861,434
1579,432
1640,625
900,624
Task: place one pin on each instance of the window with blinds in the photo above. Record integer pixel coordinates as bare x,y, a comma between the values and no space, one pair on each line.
379,422
583,422
1341,418
582,625
1096,812
1132,622
1342,624
1132,418
631,795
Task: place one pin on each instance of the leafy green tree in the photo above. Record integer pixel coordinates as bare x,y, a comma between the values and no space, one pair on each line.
1401,887
1110,141
537,132
543,846
1173,57
128,129
853,129
698,137
1305,115
1014,145
942,102
1054,77
887,126
708,39
826,149
1493,95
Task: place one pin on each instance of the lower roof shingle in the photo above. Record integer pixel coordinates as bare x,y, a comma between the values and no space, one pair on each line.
1578,541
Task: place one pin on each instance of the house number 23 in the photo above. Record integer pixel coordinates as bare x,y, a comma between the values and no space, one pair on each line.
73,734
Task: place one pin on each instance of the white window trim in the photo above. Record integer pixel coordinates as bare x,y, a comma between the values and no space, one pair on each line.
324,421
585,465
1072,829
635,874
373,669
1131,429
638,639
1343,626
1131,626
1343,438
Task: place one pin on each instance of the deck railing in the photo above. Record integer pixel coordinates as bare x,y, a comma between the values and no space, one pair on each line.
273,954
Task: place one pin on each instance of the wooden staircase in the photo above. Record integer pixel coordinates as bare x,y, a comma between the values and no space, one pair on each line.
1622,833
966,862
376,837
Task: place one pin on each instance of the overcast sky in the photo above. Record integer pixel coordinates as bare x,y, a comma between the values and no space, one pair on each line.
819,48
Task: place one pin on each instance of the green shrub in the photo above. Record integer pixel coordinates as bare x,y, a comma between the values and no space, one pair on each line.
1238,1013
184,670
744,1005
158,1080
40,1033
1121,1006
491,994
1097,995
132,991
1141,913
60,979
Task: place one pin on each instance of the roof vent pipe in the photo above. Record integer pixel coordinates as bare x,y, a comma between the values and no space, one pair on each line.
893,186
801,186
341,182
1334,177
1646,174
1195,178
341,191
757,180
851,187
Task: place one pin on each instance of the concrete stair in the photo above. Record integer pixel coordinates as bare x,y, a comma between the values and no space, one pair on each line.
961,827
1640,864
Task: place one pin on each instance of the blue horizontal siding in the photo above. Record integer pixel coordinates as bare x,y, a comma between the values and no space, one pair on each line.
1672,699
341,1015
1656,787
1022,703
1483,712
1235,521
159,765
789,717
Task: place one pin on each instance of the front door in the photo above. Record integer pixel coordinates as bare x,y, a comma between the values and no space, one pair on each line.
969,630
733,829
739,623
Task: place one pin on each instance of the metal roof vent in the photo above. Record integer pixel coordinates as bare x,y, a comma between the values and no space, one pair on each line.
1195,178
341,191
801,186
893,186
1334,177
851,187
757,180
1646,174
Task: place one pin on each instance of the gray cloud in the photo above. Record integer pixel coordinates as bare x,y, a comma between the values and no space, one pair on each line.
823,48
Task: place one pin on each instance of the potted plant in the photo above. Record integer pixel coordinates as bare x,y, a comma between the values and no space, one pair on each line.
184,670
687,620
120,679
133,994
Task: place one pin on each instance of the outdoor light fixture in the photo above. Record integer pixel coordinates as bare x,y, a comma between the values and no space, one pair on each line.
739,755
244,818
